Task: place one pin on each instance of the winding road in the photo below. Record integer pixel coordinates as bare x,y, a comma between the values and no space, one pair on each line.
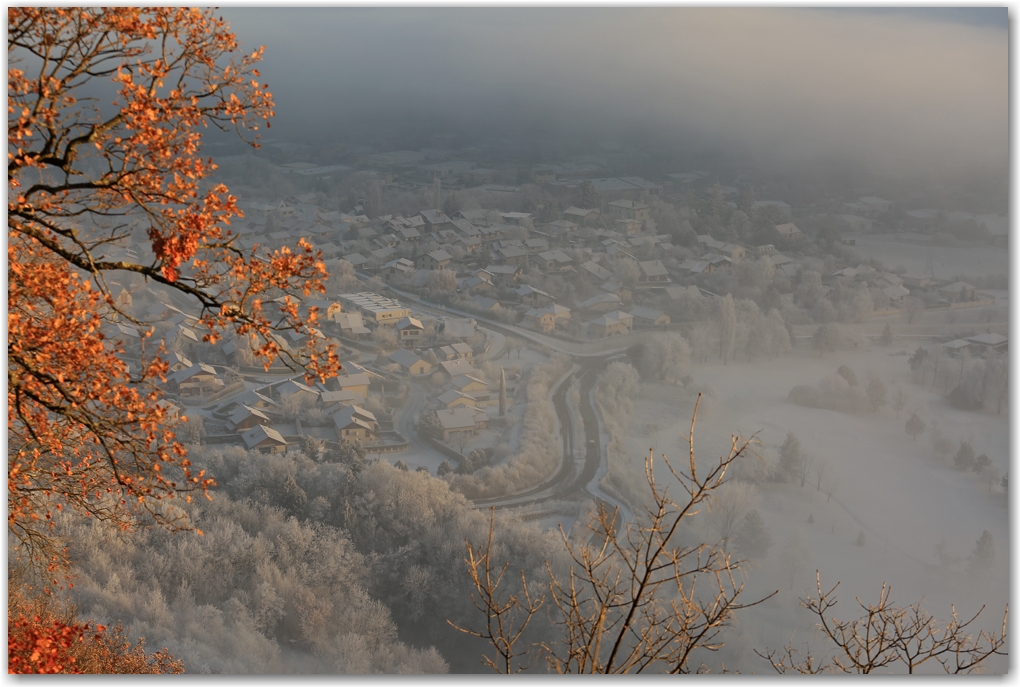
568,481
590,358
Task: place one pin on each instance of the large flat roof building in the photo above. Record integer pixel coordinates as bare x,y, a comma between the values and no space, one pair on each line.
379,309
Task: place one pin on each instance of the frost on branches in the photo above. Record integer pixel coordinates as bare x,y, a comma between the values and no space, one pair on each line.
82,173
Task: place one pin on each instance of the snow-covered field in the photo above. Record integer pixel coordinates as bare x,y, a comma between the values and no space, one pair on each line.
907,250
891,487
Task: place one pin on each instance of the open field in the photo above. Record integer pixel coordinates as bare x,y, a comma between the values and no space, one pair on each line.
909,251
880,470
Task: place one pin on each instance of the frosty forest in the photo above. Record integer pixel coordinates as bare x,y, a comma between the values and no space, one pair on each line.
462,367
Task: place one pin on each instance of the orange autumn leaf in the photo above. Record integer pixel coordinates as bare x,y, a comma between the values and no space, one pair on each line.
82,430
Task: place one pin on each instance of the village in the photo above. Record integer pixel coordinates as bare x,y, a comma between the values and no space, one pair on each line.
443,314
403,340
433,309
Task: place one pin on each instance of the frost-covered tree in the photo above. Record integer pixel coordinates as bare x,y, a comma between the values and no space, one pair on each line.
887,335
726,319
964,458
983,555
790,459
915,426
727,506
753,539
665,356
876,393
826,338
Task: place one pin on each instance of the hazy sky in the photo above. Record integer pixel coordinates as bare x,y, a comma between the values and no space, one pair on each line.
916,87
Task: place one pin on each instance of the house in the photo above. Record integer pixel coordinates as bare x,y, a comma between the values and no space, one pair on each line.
708,242
988,342
456,351
554,260
887,279
536,245
956,346
332,399
410,363
676,293
410,329
408,234
171,409
602,302
354,423
504,275
326,309
731,251
435,220
329,250
177,362
653,273
476,284
717,261
630,209
196,380
455,399
471,244
958,291
628,227
563,227
381,255
483,303
356,383
915,281
435,260
617,287
559,312
475,216
845,273
596,270
896,293
788,231
516,218
539,319
356,259
455,368
534,297
619,253
581,215
854,223
648,317
254,399
467,384
611,324
264,440
244,418
297,390
401,267
185,337
512,255
351,324
461,420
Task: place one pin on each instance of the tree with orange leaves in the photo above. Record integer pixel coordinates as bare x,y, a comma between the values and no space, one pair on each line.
45,635
84,431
